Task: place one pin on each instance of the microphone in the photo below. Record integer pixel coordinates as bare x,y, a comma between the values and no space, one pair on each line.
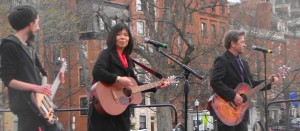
261,49
155,43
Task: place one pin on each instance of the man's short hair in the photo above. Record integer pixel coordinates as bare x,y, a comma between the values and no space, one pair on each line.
21,16
232,35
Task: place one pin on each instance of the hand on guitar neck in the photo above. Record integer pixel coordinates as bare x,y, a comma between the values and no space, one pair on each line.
46,89
238,99
62,77
274,78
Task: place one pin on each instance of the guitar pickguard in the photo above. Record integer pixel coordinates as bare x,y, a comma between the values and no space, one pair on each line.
125,100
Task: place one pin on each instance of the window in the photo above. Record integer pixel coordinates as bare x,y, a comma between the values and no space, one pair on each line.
222,9
84,49
54,73
191,40
138,5
101,24
179,44
113,22
140,27
103,45
81,77
205,56
202,3
132,113
213,8
279,50
144,100
213,32
56,54
152,98
143,122
203,30
222,31
83,104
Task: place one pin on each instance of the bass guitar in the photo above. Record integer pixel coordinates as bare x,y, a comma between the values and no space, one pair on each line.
43,105
111,101
227,111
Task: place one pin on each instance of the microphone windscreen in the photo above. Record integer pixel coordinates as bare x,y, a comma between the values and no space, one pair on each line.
146,40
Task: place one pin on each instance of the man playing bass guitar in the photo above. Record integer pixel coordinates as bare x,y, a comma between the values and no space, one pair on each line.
228,71
21,69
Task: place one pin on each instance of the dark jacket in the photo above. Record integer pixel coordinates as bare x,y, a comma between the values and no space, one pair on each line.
106,69
108,66
17,64
225,76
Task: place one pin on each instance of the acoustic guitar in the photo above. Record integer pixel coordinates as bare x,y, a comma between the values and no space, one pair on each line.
111,101
228,112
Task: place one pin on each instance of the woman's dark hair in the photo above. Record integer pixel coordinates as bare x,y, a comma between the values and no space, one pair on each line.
232,35
112,42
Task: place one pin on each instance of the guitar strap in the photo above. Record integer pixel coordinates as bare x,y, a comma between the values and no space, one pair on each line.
39,65
156,74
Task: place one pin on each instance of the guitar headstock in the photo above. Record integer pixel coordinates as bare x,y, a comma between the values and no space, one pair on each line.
173,80
283,71
63,63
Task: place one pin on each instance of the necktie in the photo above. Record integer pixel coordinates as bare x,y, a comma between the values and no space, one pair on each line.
241,68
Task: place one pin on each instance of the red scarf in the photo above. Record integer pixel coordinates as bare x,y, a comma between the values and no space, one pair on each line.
123,59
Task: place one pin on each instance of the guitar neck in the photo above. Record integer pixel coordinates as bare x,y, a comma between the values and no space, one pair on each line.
54,86
258,88
57,81
141,88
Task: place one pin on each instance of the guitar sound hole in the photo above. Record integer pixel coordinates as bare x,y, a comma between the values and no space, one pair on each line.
127,92
244,97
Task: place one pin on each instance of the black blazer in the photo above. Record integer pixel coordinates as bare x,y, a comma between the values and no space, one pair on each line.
109,66
106,69
225,76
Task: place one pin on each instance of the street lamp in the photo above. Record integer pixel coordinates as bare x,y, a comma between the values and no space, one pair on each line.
197,123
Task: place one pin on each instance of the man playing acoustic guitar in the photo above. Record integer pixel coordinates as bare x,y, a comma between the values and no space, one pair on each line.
228,71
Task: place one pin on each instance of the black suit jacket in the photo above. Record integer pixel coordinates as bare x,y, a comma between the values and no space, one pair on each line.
225,76
109,66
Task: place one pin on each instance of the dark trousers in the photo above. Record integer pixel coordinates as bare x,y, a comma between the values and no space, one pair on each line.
97,122
240,127
29,121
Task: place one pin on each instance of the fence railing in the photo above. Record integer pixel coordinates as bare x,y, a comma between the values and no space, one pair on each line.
136,106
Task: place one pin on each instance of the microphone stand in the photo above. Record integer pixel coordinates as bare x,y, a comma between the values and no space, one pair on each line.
266,92
187,72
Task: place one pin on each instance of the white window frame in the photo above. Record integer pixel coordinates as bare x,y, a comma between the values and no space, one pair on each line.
138,5
138,30
101,24
113,22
